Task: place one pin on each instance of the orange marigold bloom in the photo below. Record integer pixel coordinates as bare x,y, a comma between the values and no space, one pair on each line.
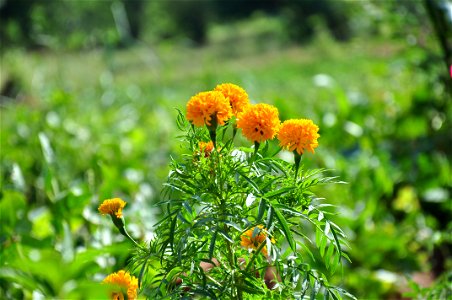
237,96
259,122
206,148
299,135
112,207
122,282
204,106
250,242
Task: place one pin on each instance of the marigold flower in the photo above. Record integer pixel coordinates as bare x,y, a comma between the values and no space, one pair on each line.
299,135
122,281
205,106
237,96
250,242
112,207
206,148
259,122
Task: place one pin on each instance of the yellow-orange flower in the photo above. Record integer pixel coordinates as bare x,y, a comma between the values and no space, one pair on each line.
122,282
250,242
259,122
237,96
206,148
205,106
112,207
299,135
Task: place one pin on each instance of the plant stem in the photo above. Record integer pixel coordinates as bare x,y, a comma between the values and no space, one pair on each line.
297,163
121,225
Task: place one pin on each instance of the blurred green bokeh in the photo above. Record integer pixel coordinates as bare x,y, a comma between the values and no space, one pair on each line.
89,99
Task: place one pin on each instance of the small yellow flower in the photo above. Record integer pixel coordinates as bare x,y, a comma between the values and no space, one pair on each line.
122,282
112,207
205,148
250,242
237,96
259,122
299,135
205,106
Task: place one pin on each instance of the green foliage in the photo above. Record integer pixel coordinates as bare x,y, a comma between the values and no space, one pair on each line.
212,199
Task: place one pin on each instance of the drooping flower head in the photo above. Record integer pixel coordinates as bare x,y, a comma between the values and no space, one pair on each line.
254,237
208,108
298,135
112,207
122,283
259,122
236,96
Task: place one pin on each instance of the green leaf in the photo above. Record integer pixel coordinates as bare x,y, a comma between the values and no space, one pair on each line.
261,209
279,192
212,244
307,249
269,217
226,236
327,228
285,228
251,182
322,245
329,252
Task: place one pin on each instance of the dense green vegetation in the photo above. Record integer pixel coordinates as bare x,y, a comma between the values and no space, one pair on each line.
80,126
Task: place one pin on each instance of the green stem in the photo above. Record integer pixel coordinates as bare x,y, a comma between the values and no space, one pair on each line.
256,252
234,130
256,148
121,225
297,163
213,130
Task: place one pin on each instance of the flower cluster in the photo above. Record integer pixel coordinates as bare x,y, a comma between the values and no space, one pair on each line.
258,122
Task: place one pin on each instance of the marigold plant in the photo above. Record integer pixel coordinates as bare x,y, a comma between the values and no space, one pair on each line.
238,222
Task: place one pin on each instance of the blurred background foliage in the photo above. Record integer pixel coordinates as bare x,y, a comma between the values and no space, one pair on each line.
88,97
